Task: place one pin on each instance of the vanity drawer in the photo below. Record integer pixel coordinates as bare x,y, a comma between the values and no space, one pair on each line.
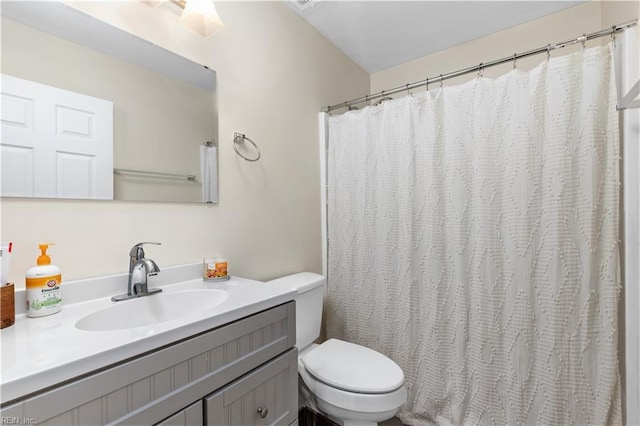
266,396
154,386
190,416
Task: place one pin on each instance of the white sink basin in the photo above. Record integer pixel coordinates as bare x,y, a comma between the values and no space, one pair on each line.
152,309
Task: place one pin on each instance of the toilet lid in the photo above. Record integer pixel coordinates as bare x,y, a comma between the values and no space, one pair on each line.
353,367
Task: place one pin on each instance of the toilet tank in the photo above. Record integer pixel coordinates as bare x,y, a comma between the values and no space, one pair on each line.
310,288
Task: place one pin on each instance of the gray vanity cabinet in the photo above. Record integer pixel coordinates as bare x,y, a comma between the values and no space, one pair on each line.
199,378
266,396
190,416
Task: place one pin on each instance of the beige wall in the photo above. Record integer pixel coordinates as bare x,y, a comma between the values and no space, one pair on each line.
615,12
562,26
274,73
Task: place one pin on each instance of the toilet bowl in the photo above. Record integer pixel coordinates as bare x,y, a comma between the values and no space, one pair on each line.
349,383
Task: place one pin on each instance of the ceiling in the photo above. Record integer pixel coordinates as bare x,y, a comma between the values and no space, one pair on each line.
381,34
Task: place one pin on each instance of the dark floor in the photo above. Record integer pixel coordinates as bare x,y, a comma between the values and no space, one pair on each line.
394,421
307,417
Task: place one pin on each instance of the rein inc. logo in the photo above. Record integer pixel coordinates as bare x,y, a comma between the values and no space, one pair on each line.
15,420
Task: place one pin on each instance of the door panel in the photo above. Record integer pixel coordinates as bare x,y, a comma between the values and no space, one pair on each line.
69,137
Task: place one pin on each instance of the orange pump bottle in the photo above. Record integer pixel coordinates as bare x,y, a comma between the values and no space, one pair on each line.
43,286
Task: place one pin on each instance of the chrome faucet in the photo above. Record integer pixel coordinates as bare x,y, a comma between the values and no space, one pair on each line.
139,269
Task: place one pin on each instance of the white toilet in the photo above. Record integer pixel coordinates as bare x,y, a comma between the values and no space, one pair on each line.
349,383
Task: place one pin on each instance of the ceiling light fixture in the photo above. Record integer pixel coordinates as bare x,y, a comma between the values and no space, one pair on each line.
200,16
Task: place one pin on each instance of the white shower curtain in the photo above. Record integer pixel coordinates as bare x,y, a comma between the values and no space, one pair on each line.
473,238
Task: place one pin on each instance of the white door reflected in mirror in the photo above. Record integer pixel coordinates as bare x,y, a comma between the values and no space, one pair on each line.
55,143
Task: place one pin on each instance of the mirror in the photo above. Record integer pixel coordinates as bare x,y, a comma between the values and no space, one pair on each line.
163,110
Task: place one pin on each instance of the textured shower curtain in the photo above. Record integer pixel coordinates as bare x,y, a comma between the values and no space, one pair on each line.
473,239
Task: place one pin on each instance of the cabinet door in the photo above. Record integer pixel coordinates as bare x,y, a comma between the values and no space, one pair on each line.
190,416
266,396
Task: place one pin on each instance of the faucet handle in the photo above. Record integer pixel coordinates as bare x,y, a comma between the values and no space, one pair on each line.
137,251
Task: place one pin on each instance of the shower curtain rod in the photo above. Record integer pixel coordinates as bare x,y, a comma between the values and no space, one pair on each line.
478,68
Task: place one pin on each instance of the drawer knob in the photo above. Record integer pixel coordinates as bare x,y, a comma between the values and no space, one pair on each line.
263,412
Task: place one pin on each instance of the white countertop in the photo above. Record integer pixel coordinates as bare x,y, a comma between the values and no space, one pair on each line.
40,352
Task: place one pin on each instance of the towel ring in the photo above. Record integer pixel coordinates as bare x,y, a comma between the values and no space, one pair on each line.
239,138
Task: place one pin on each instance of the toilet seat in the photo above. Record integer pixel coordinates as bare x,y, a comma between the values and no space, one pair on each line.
357,402
352,368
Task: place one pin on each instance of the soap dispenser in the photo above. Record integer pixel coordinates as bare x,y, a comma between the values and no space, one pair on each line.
43,286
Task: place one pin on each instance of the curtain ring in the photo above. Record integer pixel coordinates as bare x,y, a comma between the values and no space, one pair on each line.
408,90
426,83
382,100
584,40
613,35
366,98
514,60
480,70
548,52
441,81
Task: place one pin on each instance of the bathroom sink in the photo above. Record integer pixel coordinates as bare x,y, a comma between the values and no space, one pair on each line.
152,309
